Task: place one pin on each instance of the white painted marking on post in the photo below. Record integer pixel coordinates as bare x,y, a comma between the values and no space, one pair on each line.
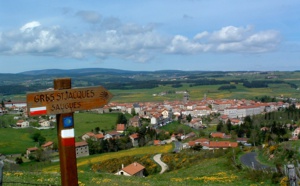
67,133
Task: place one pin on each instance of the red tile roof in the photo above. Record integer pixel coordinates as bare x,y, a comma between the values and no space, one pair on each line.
120,127
99,136
192,143
222,144
49,143
217,134
156,142
201,140
133,168
31,149
81,143
134,136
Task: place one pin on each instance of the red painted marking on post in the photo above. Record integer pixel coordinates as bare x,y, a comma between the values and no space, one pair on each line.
38,111
68,142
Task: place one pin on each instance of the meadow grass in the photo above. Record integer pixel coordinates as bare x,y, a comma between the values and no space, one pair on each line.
198,92
85,162
87,121
208,172
15,141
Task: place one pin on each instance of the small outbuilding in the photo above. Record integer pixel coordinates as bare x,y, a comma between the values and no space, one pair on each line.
134,169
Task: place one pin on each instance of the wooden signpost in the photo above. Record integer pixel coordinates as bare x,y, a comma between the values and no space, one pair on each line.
63,101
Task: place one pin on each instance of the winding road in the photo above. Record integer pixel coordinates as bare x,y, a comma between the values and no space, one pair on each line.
249,160
164,166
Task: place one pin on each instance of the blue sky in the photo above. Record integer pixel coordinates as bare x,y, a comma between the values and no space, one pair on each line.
150,35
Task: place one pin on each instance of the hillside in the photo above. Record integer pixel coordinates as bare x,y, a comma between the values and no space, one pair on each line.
135,86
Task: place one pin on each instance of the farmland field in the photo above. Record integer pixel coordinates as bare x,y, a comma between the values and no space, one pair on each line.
18,140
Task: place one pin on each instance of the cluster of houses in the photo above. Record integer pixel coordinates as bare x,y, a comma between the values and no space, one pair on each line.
208,144
161,113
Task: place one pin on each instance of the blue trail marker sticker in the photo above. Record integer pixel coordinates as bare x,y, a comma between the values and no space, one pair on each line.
68,122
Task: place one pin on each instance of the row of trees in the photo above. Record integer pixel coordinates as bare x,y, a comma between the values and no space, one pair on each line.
227,87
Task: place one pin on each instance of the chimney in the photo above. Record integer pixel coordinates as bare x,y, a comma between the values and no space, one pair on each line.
122,166
134,163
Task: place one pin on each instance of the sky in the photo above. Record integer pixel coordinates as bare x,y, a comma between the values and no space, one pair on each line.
149,35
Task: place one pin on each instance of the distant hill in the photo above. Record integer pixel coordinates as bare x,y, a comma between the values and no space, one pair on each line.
75,71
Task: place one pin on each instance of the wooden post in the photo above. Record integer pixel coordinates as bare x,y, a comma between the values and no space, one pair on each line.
63,102
66,140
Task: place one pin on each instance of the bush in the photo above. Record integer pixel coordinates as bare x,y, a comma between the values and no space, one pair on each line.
257,175
19,160
276,177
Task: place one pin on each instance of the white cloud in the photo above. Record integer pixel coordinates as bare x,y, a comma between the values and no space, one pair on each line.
131,41
29,26
227,39
43,40
183,45
201,35
230,34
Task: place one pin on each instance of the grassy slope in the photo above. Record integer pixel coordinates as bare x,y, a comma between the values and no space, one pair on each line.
15,140
18,140
84,162
208,172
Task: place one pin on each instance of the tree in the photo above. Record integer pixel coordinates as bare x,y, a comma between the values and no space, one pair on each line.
133,112
189,118
97,130
35,136
41,140
228,125
219,126
19,160
121,119
94,146
42,155
2,103
197,147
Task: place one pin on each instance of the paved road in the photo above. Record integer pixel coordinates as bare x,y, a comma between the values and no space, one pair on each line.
164,166
249,160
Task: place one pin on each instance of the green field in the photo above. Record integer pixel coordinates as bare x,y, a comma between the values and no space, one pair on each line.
198,92
15,141
213,171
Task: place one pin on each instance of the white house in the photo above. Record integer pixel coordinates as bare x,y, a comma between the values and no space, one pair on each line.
44,123
134,169
15,104
296,132
153,121
82,149
22,124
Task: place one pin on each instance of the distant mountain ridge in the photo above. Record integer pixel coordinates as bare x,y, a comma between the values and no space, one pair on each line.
89,71
74,71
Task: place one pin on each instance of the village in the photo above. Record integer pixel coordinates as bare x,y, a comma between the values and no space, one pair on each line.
159,114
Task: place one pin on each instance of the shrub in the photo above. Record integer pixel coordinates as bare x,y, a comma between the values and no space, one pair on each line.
276,177
19,160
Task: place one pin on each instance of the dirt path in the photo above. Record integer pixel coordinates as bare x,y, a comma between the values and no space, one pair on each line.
164,166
